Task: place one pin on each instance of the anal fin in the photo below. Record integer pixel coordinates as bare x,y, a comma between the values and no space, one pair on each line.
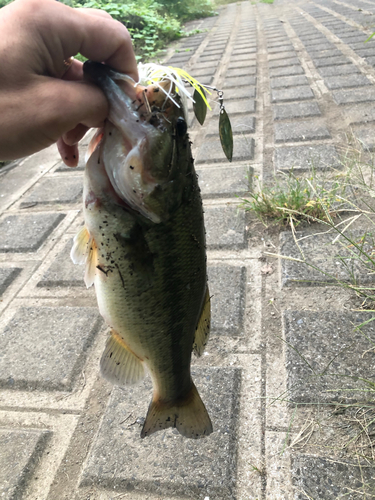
188,415
118,364
202,331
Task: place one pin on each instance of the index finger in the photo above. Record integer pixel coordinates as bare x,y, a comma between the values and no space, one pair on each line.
97,37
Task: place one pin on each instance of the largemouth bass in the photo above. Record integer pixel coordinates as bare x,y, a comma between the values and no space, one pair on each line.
143,245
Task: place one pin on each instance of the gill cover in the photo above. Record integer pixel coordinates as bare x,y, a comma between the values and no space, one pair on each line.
137,147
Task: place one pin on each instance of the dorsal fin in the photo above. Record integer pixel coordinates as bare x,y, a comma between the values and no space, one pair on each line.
84,251
119,364
202,331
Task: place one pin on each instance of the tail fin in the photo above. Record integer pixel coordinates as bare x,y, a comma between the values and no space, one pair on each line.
189,416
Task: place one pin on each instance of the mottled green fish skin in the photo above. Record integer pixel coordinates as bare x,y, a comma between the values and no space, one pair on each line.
151,277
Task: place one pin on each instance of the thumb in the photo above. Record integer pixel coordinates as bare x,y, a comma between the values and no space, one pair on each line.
69,103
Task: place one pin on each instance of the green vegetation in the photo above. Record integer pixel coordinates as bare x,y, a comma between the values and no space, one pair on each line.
293,199
335,203
151,24
150,28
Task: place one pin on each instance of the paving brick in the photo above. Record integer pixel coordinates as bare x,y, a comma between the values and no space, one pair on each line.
211,150
20,451
315,41
192,40
54,190
337,82
332,259
227,285
281,48
212,52
204,65
243,42
326,357
366,52
240,93
241,124
180,58
322,47
319,157
288,81
62,271
246,71
277,42
281,55
243,58
26,233
317,477
248,66
45,347
370,61
353,38
248,50
210,57
296,110
235,107
279,63
287,71
204,72
300,131
366,137
358,44
225,227
300,93
7,276
330,61
216,46
239,81
366,94
224,181
166,463
319,54
344,69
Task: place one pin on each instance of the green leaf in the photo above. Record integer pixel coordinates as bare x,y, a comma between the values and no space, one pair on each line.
369,38
226,136
200,108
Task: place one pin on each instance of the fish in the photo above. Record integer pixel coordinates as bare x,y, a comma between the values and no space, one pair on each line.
143,246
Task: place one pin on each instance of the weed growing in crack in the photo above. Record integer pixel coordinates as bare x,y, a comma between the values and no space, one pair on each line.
294,198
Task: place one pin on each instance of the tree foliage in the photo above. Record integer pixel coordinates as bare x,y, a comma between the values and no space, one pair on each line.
152,24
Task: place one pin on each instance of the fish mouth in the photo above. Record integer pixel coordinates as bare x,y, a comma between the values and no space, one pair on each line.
136,140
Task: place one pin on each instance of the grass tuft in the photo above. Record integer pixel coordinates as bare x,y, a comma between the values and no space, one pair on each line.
294,199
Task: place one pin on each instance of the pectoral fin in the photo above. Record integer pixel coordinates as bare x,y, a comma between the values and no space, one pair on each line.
81,243
202,331
84,251
119,365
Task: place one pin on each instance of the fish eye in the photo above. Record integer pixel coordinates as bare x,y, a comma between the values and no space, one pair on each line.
181,127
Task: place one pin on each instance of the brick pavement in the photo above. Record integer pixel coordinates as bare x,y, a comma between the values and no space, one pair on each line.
297,78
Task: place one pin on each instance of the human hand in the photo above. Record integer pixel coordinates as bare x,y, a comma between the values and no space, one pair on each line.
41,101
